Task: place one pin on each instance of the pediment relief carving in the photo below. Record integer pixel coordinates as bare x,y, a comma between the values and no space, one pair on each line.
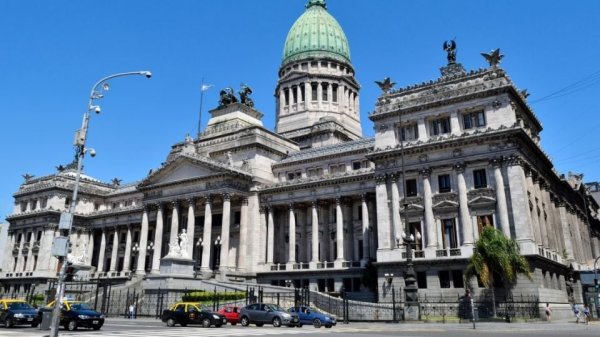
481,197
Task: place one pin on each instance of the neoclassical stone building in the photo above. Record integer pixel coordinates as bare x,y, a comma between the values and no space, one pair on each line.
315,202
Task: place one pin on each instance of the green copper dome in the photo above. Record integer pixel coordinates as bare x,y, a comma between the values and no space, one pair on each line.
316,34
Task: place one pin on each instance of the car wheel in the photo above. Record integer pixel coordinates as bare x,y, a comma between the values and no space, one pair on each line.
72,325
317,323
206,323
244,321
8,323
97,327
170,322
276,322
259,324
299,326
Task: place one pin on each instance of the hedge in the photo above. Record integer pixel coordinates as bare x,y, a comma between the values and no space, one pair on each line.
204,296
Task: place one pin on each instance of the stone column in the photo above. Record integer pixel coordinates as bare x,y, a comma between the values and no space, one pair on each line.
207,235
539,205
191,227
330,92
315,232
422,129
243,250
158,235
262,229
173,235
520,206
29,266
226,221
396,221
466,224
531,207
292,235
501,198
102,250
454,123
319,93
270,235
141,262
348,231
365,229
127,258
339,229
115,250
383,213
307,95
430,226
298,96
90,247
303,215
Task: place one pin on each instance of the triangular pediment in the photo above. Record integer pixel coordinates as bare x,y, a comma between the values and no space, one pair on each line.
190,167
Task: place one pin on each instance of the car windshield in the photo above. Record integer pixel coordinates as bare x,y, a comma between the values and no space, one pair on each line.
19,306
274,307
80,306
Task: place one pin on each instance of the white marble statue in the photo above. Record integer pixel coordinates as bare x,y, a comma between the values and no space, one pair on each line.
183,244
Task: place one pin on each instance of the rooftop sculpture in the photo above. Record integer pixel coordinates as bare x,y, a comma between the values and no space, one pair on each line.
227,96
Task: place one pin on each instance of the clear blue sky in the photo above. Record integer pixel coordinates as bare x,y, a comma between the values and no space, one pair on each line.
52,52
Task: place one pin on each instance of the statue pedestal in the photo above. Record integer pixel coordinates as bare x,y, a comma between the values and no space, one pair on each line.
176,266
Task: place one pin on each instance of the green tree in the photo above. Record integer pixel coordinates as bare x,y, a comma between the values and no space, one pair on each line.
496,255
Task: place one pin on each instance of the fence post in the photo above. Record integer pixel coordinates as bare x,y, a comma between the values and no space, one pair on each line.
277,298
214,298
393,304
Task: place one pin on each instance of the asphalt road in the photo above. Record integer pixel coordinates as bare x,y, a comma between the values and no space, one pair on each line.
116,327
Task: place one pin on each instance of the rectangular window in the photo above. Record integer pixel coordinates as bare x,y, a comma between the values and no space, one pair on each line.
324,88
286,94
302,90
356,165
314,91
38,236
290,176
421,280
457,279
136,236
479,178
334,93
440,126
444,183
237,217
444,276
474,120
449,233
484,221
295,95
123,238
411,187
409,132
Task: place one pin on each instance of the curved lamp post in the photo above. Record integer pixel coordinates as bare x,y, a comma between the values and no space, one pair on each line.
66,221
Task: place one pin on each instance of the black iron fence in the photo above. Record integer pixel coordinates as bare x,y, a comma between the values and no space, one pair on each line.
346,306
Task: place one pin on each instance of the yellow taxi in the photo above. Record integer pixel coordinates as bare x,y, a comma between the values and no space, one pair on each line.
184,313
76,314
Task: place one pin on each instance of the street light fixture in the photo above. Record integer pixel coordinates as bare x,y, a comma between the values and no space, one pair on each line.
61,244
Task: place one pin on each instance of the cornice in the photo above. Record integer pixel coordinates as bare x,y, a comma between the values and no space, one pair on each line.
317,182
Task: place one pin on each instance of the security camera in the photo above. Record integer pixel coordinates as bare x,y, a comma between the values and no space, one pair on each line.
92,153
96,109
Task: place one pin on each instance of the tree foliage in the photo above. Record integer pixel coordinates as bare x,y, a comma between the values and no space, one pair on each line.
495,254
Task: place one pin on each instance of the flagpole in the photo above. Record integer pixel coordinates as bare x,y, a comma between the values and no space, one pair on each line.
200,112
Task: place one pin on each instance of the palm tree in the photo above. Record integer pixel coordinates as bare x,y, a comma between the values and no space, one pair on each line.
495,254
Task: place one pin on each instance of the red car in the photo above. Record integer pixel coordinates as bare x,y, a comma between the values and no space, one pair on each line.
231,313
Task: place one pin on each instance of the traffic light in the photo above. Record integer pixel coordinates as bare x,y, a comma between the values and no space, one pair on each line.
596,285
69,272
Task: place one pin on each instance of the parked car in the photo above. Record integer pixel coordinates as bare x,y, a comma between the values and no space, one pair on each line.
231,313
262,313
317,319
75,314
184,313
18,312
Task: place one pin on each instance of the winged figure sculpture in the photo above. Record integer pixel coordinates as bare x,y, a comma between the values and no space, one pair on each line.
386,85
493,58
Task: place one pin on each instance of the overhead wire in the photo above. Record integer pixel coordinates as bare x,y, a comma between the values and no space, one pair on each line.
588,81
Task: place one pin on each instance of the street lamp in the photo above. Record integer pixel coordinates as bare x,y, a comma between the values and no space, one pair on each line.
134,251
61,243
288,283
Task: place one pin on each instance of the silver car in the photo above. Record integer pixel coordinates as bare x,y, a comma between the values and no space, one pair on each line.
262,313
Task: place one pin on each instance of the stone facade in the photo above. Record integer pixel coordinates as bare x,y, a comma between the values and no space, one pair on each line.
316,203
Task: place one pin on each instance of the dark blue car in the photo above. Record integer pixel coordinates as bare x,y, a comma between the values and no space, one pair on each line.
17,312
317,319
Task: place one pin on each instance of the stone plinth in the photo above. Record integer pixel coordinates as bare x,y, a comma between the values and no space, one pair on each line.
176,266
